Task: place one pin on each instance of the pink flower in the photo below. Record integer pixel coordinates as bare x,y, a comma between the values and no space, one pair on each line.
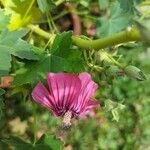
67,93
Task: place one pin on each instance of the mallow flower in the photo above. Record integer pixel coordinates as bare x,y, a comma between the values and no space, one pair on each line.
68,95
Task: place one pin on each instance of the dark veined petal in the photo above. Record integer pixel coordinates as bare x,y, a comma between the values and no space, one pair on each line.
88,88
64,88
41,95
90,105
67,93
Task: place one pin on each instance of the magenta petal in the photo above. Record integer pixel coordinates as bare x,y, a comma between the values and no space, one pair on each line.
88,88
67,92
41,95
91,104
64,88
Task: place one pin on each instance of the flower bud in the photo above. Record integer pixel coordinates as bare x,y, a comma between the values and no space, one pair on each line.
134,73
113,71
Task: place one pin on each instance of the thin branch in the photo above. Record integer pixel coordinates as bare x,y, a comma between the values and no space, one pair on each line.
131,34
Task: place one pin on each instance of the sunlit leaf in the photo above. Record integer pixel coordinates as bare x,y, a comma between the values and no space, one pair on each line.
21,12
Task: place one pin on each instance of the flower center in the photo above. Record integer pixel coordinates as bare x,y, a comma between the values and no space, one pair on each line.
67,119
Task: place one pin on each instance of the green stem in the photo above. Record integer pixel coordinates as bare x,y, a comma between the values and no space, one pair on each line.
108,57
49,23
92,66
112,40
63,13
59,2
115,62
131,34
53,24
39,31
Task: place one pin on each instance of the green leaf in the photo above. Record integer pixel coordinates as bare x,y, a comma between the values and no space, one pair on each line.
9,38
5,59
18,144
74,60
118,21
48,142
127,5
62,47
4,20
21,12
2,92
61,44
11,44
115,108
116,112
3,146
103,4
35,69
45,5
49,63
61,58
22,49
134,73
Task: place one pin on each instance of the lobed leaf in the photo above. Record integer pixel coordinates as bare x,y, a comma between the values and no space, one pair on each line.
46,142
4,20
115,23
18,144
11,44
61,58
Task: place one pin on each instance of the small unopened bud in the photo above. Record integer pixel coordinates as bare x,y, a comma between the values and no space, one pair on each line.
114,71
134,73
